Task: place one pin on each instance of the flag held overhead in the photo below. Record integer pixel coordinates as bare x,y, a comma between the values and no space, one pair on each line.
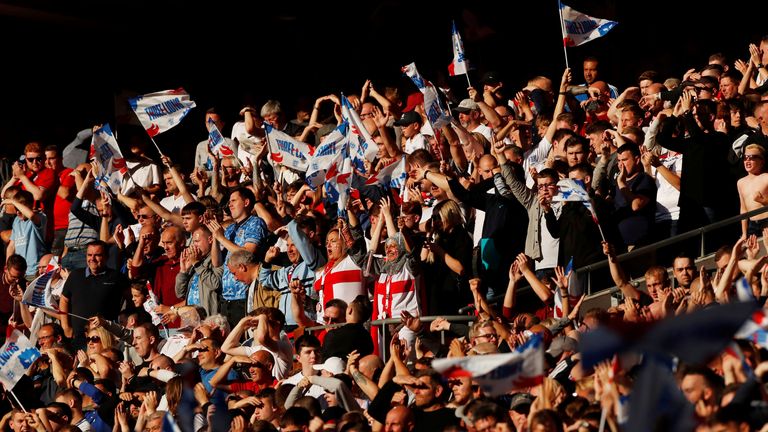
579,28
161,111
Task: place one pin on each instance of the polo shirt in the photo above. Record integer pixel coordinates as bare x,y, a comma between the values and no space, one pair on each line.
93,294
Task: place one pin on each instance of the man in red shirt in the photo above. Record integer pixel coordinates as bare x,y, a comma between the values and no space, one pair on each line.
33,176
166,268
63,199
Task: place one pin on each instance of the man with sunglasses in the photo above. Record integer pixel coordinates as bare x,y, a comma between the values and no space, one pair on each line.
259,366
32,175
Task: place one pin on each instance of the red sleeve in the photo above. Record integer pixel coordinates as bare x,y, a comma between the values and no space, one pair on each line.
45,179
65,179
507,312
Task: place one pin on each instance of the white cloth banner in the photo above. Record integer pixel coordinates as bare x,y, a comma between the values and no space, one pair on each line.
16,356
161,111
106,153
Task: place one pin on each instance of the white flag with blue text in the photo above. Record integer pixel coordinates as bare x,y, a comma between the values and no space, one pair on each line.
106,153
161,111
435,109
16,356
579,28
459,64
361,144
287,150
324,164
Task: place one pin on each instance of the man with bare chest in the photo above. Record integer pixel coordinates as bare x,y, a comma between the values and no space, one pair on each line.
753,190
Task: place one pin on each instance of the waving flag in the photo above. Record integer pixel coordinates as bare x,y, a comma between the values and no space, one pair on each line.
744,291
38,291
361,145
459,64
16,356
327,158
758,321
161,111
434,107
391,176
287,150
216,141
106,152
579,28
499,374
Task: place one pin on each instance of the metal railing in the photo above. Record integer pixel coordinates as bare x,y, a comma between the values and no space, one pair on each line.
384,322
588,269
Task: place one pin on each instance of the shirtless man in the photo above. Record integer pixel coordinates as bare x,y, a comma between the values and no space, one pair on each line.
753,190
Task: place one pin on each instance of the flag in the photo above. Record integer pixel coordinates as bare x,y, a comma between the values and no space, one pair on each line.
216,140
579,28
574,190
16,356
434,107
362,147
38,292
287,150
106,153
758,321
327,158
499,374
161,111
459,64
150,304
169,424
744,291
694,337
393,175
656,402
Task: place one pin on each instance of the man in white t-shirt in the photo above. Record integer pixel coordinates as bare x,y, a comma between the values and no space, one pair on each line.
267,336
175,201
309,356
470,117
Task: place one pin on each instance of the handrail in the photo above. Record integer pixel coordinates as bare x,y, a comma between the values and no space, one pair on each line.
396,321
648,248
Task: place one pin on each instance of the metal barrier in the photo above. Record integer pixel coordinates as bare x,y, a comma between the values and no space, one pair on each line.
588,269
384,322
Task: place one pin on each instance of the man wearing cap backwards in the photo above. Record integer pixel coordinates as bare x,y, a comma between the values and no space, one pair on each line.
410,124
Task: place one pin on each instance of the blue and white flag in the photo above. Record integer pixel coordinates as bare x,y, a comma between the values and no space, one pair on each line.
499,374
434,107
106,153
744,291
161,111
579,28
287,150
169,423
327,158
393,175
216,141
459,64
16,356
362,147
38,292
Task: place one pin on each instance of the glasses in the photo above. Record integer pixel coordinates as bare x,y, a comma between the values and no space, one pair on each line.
143,216
365,115
701,89
93,339
544,186
260,365
752,157
488,335
36,159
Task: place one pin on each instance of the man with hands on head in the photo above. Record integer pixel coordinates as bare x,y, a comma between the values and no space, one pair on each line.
268,323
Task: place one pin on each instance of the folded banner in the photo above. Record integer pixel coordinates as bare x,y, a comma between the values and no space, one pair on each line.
106,153
38,291
434,107
499,374
16,356
362,147
579,28
161,111
327,156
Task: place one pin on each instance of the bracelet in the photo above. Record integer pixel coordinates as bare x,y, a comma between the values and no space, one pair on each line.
564,93
424,176
759,65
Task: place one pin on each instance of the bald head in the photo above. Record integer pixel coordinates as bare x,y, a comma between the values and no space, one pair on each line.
486,166
369,364
399,418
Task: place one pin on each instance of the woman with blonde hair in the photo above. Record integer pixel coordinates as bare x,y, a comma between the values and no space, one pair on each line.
99,342
447,254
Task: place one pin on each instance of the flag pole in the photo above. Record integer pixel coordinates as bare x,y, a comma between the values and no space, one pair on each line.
562,31
56,311
17,400
156,146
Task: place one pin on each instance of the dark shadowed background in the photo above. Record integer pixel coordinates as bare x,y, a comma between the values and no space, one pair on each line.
64,61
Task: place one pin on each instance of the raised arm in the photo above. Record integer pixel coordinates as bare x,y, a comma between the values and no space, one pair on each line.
617,273
231,344
541,290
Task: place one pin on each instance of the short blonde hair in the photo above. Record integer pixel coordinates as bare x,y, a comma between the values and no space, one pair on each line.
757,147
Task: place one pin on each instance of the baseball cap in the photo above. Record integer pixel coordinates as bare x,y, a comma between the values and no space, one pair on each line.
408,118
491,78
561,344
334,365
466,105
520,401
